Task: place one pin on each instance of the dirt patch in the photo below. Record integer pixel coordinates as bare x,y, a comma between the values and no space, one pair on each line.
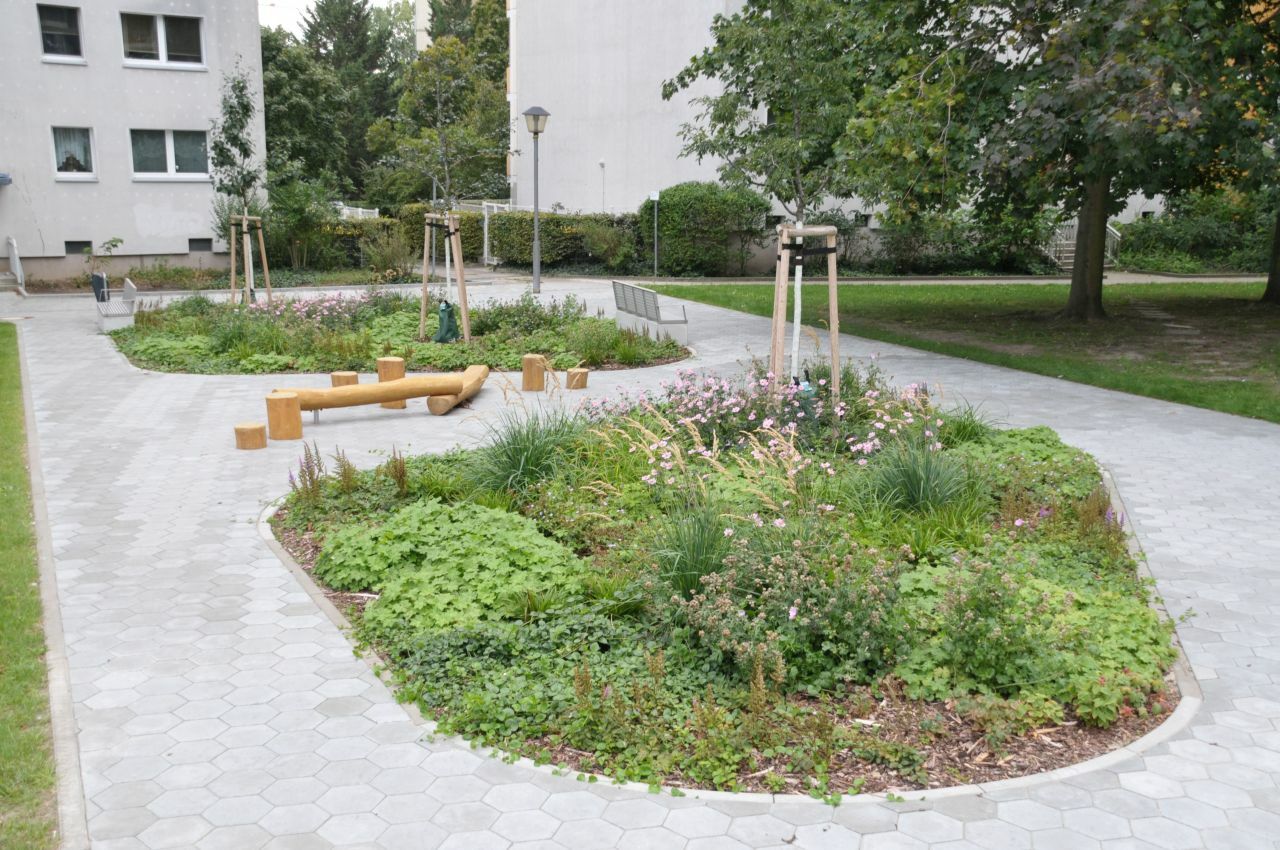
956,751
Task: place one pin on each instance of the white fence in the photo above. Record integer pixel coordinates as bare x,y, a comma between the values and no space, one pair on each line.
347,212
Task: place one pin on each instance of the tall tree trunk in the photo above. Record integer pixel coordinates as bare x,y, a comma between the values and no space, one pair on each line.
1085,298
1272,293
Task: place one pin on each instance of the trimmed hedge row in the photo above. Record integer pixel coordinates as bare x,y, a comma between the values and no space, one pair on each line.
703,229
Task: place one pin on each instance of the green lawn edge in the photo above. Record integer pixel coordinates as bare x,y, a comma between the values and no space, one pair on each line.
1241,399
28,810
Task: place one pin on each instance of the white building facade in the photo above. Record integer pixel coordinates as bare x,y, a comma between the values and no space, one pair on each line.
105,113
598,67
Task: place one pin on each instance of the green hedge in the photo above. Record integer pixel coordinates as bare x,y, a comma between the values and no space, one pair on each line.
511,234
704,229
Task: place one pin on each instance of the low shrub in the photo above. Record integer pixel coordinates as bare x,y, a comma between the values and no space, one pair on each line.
704,228
438,566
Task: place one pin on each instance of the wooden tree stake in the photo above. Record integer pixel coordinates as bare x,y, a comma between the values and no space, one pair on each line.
391,369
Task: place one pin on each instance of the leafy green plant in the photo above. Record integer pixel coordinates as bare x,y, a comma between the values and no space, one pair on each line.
443,566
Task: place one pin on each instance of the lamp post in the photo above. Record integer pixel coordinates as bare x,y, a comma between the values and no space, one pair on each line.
536,119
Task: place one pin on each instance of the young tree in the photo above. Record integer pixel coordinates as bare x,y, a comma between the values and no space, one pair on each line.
1083,101
784,91
451,125
236,170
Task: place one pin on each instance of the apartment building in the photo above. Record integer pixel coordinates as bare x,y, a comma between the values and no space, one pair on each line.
105,112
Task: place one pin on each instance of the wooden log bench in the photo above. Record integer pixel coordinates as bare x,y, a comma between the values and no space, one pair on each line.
638,310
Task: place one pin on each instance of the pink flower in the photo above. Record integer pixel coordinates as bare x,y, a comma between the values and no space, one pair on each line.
780,522
1019,522
728,532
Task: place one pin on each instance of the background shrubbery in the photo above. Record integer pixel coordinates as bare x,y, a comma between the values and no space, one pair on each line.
1225,230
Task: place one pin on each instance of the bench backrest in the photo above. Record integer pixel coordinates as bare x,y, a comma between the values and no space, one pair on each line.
98,281
130,291
636,300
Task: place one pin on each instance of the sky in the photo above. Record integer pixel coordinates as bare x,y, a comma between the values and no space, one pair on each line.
288,13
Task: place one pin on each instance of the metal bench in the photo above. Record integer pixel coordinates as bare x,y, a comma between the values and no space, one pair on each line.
113,315
638,310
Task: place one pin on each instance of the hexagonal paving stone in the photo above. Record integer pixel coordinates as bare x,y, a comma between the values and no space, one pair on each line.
930,827
1029,815
635,814
237,811
697,822
515,797
352,828
588,835
571,805
526,825
651,838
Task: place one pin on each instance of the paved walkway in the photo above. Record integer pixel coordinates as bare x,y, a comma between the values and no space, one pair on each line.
218,707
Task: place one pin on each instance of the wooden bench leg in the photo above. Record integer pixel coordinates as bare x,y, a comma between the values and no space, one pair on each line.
284,416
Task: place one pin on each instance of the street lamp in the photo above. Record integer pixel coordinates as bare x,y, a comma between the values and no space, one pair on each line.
536,119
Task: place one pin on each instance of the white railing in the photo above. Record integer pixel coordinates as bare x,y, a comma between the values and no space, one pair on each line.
1063,241
488,208
347,212
15,262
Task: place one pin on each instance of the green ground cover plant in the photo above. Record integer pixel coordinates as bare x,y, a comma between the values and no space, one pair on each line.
27,803
1219,348
737,585
349,332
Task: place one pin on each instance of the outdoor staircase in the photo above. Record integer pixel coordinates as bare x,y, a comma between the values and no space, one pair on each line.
1061,247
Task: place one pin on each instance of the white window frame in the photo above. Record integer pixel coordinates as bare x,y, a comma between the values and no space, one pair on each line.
171,175
162,45
65,58
74,176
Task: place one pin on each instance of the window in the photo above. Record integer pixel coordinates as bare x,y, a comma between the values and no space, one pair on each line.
73,152
195,246
60,30
173,153
162,38
77,247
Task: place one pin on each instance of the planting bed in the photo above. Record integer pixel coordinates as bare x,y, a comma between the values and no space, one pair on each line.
732,586
349,332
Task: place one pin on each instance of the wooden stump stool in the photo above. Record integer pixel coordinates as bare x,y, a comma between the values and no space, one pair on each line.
251,435
343,379
284,416
391,369
577,379
534,378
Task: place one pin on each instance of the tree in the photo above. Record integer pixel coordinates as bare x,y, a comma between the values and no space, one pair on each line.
342,36
451,125
450,18
300,98
785,93
1078,103
236,171
489,38
1253,70
393,27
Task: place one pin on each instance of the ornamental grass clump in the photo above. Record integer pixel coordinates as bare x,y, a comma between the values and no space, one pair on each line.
524,448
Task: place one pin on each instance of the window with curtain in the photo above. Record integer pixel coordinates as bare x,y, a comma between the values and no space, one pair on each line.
190,152
149,155
60,30
140,39
182,39
72,150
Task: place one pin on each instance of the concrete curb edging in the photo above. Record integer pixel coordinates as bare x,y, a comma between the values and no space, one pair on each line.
73,820
1188,706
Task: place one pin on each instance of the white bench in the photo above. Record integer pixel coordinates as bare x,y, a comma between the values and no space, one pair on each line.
113,315
638,311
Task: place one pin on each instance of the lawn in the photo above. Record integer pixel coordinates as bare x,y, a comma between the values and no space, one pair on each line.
1205,344
731,585
28,817
349,332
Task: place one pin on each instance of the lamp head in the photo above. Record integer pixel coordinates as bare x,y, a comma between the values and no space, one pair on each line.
536,119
